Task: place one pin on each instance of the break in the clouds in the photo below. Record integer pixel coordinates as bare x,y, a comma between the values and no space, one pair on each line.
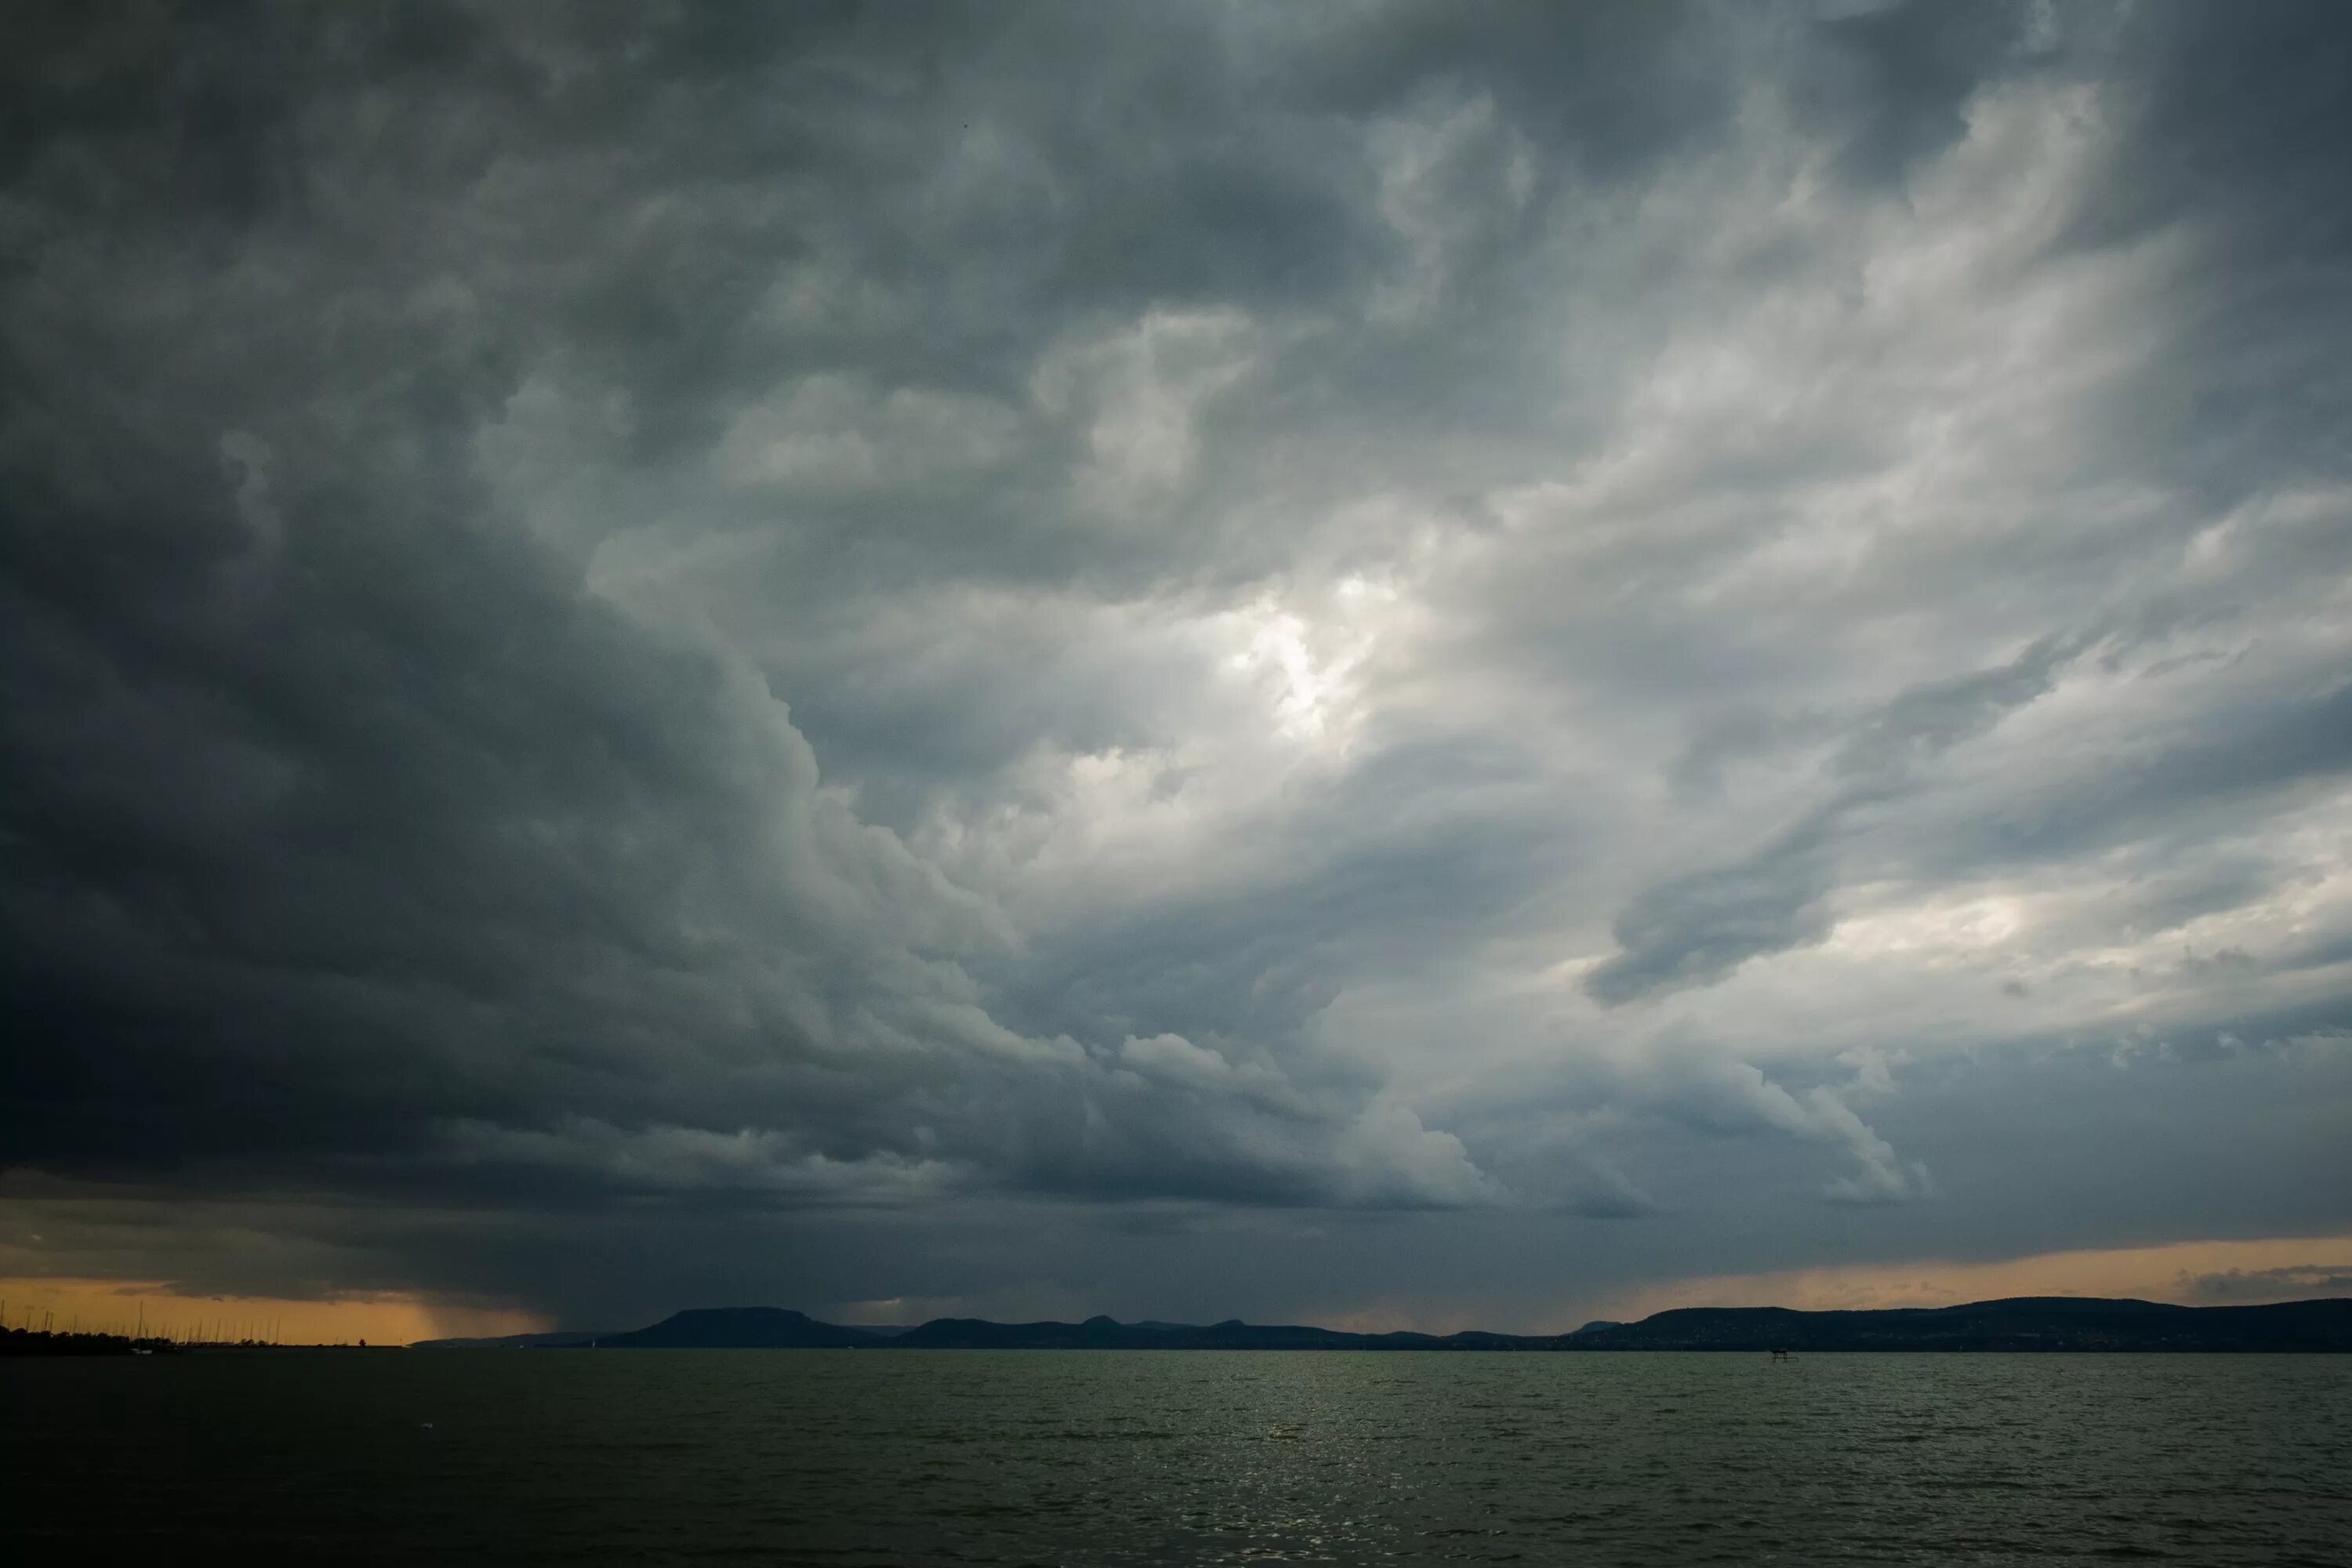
1341,656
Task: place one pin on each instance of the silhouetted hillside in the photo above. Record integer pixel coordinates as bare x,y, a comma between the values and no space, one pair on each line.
2023,1323
738,1328
1106,1333
2019,1324
514,1342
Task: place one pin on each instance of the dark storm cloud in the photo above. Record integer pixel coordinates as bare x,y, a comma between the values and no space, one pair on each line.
866,638
1699,927
1893,82
348,815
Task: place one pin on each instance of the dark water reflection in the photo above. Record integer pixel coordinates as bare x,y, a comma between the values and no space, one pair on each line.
1188,1456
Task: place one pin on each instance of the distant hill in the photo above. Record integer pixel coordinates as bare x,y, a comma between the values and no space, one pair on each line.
510,1341
735,1328
740,1328
2020,1323
1106,1333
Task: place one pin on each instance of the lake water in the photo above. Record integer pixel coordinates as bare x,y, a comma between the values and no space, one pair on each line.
849,1457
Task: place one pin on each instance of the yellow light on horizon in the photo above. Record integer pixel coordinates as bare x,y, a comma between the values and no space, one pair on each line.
166,1311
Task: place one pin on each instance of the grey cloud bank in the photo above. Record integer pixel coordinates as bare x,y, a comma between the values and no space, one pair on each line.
1174,660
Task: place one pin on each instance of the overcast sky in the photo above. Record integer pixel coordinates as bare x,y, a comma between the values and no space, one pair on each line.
1410,664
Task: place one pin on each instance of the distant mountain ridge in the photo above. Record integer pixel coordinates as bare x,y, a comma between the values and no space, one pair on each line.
510,1341
740,1327
2017,1323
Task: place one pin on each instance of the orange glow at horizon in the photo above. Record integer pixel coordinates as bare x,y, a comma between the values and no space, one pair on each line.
118,1306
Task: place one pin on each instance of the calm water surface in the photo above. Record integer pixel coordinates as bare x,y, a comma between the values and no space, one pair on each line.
1188,1457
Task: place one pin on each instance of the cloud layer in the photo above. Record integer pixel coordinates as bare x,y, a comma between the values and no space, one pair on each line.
1375,655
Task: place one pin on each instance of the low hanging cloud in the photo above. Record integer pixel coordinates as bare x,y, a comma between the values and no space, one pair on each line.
2237,1286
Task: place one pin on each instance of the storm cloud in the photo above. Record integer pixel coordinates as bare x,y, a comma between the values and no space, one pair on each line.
1378,656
